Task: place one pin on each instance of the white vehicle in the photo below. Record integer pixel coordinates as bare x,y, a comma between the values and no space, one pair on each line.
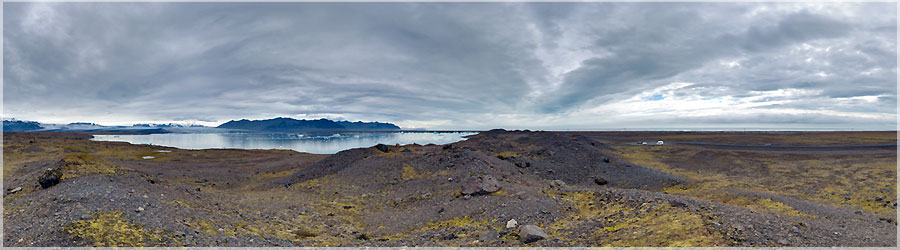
659,143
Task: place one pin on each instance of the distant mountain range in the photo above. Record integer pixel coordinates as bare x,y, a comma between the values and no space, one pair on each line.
17,126
282,124
270,125
13,125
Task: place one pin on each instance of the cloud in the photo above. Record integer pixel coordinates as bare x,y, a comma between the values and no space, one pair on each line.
449,65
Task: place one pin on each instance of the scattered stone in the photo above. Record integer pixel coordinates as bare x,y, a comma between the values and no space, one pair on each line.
448,237
201,181
606,160
489,235
362,237
532,233
512,223
49,178
14,190
677,204
480,185
600,181
139,209
348,207
557,183
383,148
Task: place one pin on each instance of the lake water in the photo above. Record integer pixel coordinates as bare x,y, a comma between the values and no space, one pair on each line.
310,143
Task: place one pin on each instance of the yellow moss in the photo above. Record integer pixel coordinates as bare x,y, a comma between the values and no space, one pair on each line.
458,222
779,207
409,173
178,203
203,226
846,180
645,225
110,229
500,193
80,164
277,174
507,154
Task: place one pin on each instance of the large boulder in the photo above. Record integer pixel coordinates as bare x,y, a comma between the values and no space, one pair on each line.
49,178
479,185
532,233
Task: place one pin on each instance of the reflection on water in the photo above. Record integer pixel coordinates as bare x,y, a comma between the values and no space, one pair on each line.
311,143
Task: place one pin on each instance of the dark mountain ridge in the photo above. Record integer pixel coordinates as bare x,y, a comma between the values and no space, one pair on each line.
283,124
15,126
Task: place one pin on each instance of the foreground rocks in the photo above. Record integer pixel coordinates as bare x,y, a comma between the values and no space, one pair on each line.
50,177
480,185
532,233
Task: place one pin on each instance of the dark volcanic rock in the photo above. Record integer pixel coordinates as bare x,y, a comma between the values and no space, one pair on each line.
480,185
600,181
383,148
557,183
49,178
532,233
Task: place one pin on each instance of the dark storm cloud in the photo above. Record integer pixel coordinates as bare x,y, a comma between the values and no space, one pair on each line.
466,65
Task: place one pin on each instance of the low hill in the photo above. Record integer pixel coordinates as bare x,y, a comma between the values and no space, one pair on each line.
293,125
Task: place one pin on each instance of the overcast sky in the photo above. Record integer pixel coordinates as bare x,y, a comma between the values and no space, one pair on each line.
456,65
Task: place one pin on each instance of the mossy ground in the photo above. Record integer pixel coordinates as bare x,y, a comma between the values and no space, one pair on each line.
851,180
111,229
617,223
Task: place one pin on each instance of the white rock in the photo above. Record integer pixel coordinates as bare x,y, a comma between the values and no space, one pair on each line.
512,223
